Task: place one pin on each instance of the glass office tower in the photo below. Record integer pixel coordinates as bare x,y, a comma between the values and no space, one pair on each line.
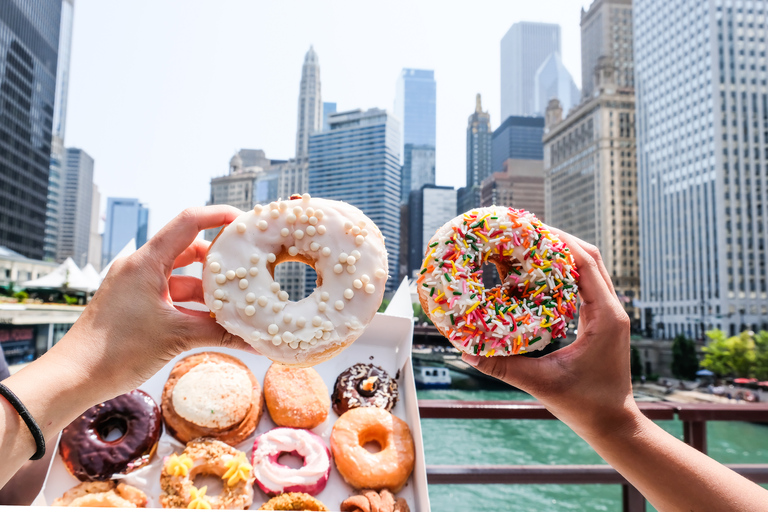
29,42
126,219
518,137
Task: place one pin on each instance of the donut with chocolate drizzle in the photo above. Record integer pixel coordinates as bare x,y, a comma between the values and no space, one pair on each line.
364,385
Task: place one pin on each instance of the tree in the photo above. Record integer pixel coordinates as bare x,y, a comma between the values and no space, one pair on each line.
635,364
685,362
730,357
419,313
761,355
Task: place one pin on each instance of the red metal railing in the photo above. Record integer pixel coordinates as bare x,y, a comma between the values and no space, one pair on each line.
693,416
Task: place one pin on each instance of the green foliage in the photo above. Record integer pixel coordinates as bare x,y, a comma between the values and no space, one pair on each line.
685,362
635,364
384,304
745,355
21,296
72,301
419,313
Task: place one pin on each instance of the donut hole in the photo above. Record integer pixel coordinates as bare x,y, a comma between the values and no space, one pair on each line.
491,274
112,429
295,265
372,446
214,482
291,460
373,438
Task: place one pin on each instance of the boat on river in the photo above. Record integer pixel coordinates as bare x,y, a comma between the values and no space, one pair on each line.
432,377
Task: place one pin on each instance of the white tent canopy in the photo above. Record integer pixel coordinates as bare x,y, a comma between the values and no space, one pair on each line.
129,249
66,276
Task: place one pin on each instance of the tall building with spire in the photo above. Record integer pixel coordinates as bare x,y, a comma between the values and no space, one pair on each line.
479,135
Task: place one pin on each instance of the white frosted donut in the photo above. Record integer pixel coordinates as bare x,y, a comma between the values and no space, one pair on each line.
345,248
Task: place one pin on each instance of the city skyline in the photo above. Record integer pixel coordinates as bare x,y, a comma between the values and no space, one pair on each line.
163,120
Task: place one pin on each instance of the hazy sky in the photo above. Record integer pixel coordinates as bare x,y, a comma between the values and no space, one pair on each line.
163,93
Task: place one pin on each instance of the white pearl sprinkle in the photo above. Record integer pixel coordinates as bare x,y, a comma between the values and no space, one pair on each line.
300,322
221,279
348,293
339,305
381,273
355,230
250,310
254,258
314,246
293,250
273,329
309,211
311,230
369,288
243,284
257,208
343,257
319,214
313,221
240,272
215,267
287,318
217,304
251,297
255,335
297,210
285,232
291,218
321,307
262,301
254,271
304,219
283,206
276,340
359,240
361,223
351,269
230,274
298,234
294,344
348,225
271,257
288,336
283,295
364,232
218,294
327,325
274,287
326,251
263,225
357,283
365,279
338,268
317,321
356,254
240,227
306,197
325,296
351,260
326,335
277,307
321,230
319,333
303,344
274,214
273,205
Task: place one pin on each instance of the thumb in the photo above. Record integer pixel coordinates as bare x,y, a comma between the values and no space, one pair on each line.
514,370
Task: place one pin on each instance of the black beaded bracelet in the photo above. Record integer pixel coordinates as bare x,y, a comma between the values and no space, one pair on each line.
28,419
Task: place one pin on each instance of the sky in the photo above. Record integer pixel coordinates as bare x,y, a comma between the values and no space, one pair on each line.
162,94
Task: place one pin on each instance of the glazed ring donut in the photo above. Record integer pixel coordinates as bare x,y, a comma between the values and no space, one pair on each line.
210,394
387,469
102,494
343,245
364,385
293,501
531,307
275,478
296,397
89,456
208,457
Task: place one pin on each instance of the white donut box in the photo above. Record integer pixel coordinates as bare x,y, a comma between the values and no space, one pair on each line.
386,343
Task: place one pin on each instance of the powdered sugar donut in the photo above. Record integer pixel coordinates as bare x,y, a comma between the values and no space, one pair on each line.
537,296
275,478
343,245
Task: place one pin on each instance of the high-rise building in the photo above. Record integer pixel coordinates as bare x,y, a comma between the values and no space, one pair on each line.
29,41
418,169
524,48
552,80
702,137
94,244
126,219
479,136
428,209
519,138
310,104
75,207
357,161
328,109
606,31
416,106
520,185
59,125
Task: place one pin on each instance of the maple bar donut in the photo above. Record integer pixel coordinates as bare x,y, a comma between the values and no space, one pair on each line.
386,469
345,248
276,478
364,385
206,456
296,397
210,394
537,296
85,450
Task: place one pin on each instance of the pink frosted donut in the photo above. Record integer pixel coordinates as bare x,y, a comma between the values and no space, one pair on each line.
275,478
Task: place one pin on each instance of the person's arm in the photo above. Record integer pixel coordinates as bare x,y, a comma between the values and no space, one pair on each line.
587,385
128,332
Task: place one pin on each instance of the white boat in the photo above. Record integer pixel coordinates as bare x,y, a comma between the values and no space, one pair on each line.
432,377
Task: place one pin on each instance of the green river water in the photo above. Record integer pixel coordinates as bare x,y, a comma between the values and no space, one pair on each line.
546,442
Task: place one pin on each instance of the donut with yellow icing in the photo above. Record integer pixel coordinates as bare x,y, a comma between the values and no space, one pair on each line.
342,244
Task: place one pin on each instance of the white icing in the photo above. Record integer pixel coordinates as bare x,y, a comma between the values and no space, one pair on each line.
276,477
213,395
256,248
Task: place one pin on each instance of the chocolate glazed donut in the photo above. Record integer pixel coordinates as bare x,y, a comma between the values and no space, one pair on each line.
364,385
89,456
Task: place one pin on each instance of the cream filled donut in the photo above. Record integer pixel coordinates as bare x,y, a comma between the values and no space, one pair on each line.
274,477
345,248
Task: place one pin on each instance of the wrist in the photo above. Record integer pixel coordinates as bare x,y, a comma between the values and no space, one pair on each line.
604,420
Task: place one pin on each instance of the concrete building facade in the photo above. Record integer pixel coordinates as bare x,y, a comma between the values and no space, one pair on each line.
606,31
479,136
74,226
520,185
428,209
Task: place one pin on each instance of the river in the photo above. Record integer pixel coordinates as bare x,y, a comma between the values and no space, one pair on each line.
546,442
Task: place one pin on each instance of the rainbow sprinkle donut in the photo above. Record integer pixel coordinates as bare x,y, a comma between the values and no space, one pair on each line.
537,296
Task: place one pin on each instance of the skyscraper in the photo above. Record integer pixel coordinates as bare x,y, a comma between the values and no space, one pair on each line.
517,137
702,136
29,41
606,31
552,80
524,47
126,219
429,208
520,185
357,161
59,125
418,169
94,244
75,208
328,109
478,157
